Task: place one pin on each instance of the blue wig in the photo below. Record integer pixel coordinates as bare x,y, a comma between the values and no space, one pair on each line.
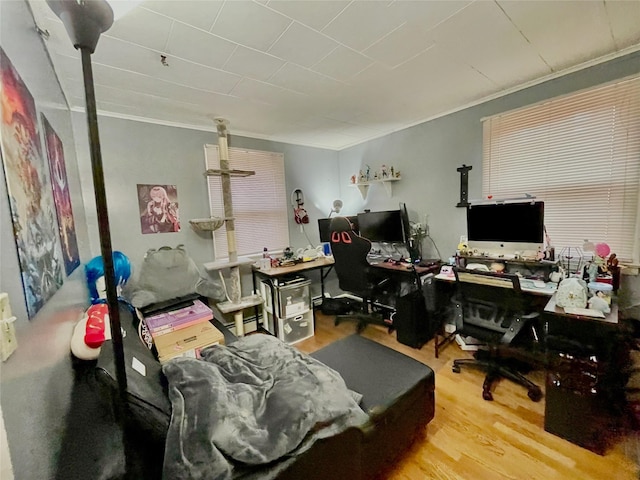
95,269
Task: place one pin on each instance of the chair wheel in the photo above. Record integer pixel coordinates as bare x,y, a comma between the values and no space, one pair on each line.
535,394
487,396
455,369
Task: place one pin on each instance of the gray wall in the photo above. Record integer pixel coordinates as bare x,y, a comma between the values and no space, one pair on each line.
143,153
36,381
429,154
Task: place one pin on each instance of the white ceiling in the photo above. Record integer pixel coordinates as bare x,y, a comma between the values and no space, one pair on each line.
332,74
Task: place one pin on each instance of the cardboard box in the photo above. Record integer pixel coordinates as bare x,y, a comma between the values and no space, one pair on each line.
188,342
168,322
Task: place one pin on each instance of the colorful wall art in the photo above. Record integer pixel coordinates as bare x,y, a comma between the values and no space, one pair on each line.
61,197
30,197
158,208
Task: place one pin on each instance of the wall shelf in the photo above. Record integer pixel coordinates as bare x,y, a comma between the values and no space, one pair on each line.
387,183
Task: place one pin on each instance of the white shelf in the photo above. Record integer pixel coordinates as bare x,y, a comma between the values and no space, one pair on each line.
245,302
215,266
387,183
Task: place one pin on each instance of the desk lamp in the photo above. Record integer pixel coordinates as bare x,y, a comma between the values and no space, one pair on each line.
337,206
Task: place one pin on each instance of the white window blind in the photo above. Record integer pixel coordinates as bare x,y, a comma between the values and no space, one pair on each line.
578,153
259,201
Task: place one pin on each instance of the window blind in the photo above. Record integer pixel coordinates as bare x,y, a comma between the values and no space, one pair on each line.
259,201
580,154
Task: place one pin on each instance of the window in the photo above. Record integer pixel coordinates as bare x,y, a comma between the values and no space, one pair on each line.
259,201
580,154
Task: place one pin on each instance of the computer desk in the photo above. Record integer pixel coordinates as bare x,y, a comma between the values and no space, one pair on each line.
320,263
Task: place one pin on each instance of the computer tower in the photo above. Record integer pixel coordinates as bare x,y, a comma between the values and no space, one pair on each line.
413,324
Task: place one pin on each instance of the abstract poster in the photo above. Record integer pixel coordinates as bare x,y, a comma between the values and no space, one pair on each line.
158,208
61,198
30,198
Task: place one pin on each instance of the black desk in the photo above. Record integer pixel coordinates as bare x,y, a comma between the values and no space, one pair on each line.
585,384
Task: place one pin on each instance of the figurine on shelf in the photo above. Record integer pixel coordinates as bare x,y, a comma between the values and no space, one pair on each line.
392,172
353,179
383,172
367,175
361,178
375,176
397,174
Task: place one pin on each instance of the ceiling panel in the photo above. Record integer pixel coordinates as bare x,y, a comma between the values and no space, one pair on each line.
252,63
363,23
342,63
198,46
144,28
332,73
535,21
316,45
200,14
250,24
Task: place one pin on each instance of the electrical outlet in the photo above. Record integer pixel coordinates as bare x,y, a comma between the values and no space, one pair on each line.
8,342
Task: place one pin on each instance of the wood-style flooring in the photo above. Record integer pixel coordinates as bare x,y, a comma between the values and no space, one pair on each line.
471,438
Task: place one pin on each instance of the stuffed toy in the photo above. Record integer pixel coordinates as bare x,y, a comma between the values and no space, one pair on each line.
94,329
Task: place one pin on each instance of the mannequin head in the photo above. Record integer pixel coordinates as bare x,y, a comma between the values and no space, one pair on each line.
94,272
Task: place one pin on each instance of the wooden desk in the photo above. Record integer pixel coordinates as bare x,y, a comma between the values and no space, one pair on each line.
273,273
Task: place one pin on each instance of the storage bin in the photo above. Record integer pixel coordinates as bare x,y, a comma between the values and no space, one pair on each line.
292,297
293,329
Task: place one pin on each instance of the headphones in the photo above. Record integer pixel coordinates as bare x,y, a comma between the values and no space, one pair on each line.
299,213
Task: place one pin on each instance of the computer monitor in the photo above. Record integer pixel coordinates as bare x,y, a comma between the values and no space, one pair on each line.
506,227
381,226
325,229
414,250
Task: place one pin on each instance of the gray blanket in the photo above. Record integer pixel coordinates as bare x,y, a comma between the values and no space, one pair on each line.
255,402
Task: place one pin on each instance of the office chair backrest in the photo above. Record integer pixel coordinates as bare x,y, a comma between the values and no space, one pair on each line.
491,302
350,255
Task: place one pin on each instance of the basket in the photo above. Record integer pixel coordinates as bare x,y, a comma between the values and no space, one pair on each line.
207,224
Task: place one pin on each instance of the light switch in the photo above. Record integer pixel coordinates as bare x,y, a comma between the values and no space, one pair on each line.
8,342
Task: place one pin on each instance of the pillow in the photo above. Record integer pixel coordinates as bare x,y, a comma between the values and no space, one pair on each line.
167,273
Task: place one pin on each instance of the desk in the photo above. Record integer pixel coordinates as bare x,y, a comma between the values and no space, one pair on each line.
584,358
273,273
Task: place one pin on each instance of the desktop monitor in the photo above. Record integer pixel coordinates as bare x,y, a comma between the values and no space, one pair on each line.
383,227
324,227
506,227
412,248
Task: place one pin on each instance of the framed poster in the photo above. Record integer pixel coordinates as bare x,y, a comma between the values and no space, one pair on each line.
158,208
30,198
61,197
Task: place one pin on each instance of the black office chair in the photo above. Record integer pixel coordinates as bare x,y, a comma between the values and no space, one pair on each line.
491,308
350,254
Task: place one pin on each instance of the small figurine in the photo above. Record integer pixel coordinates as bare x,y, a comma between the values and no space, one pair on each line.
384,172
392,174
361,177
375,176
368,174
353,179
397,174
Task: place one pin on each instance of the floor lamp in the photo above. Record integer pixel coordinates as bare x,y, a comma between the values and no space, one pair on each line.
85,21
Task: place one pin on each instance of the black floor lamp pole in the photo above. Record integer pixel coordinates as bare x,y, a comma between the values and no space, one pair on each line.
103,222
85,21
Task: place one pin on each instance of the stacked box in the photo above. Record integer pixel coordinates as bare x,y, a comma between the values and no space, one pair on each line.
188,341
168,322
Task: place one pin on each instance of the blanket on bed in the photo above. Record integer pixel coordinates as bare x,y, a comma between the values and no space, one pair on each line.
248,404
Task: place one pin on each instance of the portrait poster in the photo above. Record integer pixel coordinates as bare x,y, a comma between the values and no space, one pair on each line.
30,198
61,197
158,208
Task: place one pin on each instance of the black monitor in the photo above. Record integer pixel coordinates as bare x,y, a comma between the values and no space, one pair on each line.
381,226
506,223
414,250
325,229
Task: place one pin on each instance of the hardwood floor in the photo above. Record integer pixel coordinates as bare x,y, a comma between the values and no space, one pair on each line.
470,438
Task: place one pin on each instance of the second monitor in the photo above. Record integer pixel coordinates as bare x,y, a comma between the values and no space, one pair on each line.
385,227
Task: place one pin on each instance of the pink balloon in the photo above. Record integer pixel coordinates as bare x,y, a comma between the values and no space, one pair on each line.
602,249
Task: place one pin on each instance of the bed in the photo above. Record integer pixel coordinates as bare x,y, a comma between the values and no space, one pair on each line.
378,401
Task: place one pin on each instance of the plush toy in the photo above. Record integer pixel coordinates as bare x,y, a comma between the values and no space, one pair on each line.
94,329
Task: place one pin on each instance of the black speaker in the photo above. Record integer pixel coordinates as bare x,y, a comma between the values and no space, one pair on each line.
413,324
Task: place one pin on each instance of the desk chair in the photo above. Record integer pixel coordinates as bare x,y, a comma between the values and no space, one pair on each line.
490,307
350,254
